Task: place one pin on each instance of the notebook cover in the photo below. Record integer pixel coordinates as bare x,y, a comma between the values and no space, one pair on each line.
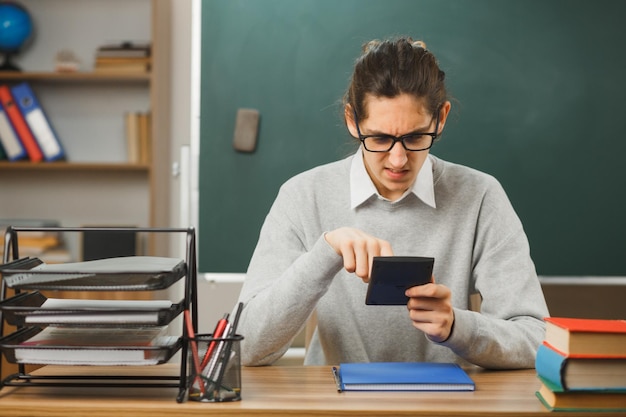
589,325
404,376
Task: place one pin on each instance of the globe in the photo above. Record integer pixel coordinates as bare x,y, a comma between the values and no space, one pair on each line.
16,29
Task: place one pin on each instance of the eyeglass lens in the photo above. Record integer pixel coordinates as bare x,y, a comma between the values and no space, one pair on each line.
386,143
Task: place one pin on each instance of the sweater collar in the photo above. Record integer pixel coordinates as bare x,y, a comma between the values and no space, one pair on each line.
362,187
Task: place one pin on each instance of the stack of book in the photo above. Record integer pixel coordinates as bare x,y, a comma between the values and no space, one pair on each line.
25,131
125,57
49,246
582,365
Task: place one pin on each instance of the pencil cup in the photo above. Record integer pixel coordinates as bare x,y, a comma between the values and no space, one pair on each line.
214,368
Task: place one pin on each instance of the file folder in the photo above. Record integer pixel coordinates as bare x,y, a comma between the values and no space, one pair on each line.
8,137
38,122
19,124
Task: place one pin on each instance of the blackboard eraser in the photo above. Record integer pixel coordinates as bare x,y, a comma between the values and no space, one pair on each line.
246,130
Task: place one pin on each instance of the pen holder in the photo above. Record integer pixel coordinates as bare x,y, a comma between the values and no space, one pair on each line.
214,368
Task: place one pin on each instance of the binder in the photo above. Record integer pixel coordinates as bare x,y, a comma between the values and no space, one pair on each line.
19,124
8,138
38,122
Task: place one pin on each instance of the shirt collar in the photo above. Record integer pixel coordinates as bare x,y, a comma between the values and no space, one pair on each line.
362,187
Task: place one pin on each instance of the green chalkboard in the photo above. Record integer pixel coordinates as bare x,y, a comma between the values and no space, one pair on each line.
539,102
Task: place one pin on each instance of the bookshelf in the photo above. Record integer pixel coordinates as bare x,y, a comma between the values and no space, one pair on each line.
96,185
73,166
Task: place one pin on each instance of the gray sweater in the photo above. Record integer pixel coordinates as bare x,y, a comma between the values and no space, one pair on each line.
476,238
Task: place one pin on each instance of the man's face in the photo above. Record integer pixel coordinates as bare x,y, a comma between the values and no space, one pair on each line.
395,171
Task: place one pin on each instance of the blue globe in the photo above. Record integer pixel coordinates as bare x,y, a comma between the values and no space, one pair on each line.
16,29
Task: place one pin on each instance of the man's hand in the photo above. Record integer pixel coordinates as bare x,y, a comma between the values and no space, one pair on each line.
430,309
357,249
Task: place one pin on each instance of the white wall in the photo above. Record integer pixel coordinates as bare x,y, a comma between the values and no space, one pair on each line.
217,293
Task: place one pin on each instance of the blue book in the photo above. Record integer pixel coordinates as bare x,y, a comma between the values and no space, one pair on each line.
403,376
38,122
564,373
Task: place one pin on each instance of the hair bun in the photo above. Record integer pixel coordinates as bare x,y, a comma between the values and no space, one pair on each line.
419,44
368,46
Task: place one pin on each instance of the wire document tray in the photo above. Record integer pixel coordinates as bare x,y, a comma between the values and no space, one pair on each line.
66,331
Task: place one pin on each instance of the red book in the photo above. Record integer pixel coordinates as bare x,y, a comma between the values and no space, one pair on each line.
591,338
19,124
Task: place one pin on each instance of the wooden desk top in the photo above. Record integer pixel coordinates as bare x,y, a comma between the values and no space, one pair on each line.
277,391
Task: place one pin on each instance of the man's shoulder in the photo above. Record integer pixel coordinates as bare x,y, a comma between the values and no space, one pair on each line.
450,172
323,175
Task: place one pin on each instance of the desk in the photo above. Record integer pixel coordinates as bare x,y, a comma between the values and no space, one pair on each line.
275,391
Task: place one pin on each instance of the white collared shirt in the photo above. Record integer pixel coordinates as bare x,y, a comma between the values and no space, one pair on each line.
362,187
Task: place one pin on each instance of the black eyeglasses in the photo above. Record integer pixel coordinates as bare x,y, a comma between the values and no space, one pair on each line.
384,143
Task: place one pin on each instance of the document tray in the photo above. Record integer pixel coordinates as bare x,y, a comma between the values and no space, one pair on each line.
29,309
89,331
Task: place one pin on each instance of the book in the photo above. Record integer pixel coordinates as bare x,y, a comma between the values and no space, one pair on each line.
35,308
40,243
95,346
134,67
144,138
131,124
11,143
124,49
113,61
19,124
141,64
403,376
94,336
33,223
38,122
581,401
576,373
137,127
37,244
586,337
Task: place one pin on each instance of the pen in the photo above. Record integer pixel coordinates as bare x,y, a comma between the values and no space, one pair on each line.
194,350
337,378
217,333
209,371
224,360
233,329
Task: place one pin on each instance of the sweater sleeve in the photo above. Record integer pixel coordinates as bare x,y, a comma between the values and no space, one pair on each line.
284,281
509,328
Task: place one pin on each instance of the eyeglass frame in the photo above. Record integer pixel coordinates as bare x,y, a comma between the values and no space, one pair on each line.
400,139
